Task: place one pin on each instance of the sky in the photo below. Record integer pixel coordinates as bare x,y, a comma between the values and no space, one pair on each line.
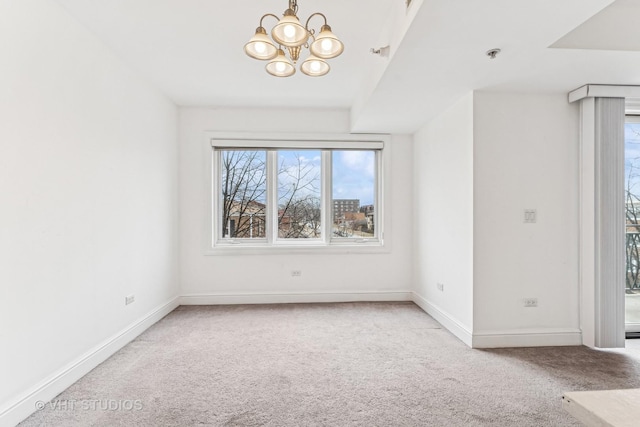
353,171
354,175
301,168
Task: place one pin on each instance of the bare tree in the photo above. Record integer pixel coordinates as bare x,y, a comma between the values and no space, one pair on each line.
299,212
632,207
244,175
632,211
244,191
360,225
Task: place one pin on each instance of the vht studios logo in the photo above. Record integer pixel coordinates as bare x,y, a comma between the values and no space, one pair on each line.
91,405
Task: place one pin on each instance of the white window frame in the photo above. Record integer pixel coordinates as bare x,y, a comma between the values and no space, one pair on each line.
215,245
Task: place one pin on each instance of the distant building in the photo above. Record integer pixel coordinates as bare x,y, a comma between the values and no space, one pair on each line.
366,209
354,216
342,206
369,212
245,220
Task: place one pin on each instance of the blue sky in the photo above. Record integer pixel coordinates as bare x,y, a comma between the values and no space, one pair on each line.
303,167
353,171
354,175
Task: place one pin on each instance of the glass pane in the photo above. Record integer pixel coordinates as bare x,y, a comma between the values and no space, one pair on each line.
353,201
244,192
632,205
299,184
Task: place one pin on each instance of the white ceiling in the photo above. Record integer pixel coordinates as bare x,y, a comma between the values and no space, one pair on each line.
614,28
192,51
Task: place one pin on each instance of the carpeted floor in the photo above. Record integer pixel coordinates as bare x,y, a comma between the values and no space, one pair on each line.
355,364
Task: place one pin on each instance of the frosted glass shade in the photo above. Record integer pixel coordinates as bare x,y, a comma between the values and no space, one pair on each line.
260,47
326,45
280,66
314,66
289,32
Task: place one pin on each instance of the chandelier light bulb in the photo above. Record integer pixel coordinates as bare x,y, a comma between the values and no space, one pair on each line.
289,31
260,47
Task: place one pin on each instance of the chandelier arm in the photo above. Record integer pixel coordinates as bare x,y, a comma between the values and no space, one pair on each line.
312,35
306,26
268,14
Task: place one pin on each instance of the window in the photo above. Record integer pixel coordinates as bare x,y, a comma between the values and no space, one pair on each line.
299,194
296,193
243,194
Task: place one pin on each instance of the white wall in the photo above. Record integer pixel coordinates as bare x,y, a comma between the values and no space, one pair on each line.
525,156
443,189
392,32
476,168
88,197
222,278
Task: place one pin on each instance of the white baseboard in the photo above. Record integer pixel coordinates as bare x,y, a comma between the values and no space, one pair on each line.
279,298
543,337
24,405
446,320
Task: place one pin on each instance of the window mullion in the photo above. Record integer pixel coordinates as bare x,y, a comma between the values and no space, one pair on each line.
378,209
216,209
272,196
326,196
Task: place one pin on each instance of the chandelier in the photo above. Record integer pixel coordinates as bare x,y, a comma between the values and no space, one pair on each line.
291,35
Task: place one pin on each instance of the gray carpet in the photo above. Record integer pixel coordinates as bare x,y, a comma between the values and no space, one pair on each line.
355,364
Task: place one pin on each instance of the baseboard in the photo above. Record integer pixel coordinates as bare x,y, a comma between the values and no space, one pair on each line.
280,298
24,405
444,318
543,337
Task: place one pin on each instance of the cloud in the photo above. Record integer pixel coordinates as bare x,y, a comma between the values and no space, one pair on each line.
358,161
354,175
296,169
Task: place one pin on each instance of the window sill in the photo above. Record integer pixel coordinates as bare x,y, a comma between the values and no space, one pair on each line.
337,249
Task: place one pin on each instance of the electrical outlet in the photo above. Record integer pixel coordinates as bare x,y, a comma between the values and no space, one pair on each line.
440,287
296,273
531,302
129,299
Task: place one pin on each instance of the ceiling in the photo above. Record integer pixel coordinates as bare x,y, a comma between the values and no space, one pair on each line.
192,51
614,28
